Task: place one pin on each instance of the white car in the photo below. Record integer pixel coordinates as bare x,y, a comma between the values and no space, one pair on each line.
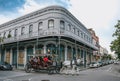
94,65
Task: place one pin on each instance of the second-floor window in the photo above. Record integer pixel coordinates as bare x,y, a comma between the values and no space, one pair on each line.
69,27
40,25
15,34
4,36
51,23
78,32
73,30
9,35
30,29
62,25
81,35
23,31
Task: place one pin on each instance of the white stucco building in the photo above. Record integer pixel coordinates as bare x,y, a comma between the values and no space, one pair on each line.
51,30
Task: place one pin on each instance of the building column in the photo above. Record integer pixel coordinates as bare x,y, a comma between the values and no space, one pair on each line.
71,53
76,53
33,49
44,49
66,52
25,56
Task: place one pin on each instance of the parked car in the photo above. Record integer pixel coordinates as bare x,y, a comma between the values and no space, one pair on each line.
100,63
116,62
5,66
94,65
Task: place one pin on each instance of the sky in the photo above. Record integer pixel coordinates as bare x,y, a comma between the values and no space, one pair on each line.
101,15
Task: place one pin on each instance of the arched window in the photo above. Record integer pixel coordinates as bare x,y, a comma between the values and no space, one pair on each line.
62,25
51,23
15,34
4,36
30,29
22,30
40,25
69,27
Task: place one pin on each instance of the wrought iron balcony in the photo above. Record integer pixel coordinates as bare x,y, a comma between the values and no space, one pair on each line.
45,33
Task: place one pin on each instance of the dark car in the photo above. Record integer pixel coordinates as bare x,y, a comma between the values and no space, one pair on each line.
5,66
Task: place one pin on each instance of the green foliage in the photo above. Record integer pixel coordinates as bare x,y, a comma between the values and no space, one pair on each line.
1,39
115,44
9,35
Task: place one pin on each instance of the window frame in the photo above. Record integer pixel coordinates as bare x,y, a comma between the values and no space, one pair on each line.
50,23
30,28
22,31
40,26
62,24
15,33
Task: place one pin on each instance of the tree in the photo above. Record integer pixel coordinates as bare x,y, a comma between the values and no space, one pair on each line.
115,44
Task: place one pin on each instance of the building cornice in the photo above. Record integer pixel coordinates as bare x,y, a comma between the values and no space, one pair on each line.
41,11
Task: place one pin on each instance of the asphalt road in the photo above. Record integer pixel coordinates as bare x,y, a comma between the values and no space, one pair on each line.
104,73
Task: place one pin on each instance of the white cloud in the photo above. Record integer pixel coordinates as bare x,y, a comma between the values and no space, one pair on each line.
30,6
4,19
96,14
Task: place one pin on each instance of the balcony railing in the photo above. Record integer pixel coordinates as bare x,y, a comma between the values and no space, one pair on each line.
48,32
32,35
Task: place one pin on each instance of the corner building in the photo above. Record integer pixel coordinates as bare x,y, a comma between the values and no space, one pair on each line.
52,30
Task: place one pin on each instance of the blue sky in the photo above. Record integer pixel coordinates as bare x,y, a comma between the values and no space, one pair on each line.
101,15
10,5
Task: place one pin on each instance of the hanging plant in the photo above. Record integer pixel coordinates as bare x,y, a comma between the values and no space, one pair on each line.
9,35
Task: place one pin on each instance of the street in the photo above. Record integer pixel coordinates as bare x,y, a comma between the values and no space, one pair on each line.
104,73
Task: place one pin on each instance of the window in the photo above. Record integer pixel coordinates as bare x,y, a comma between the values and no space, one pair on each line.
78,33
40,25
15,34
62,25
30,29
9,35
69,27
73,30
4,36
81,35
51,23
22,31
